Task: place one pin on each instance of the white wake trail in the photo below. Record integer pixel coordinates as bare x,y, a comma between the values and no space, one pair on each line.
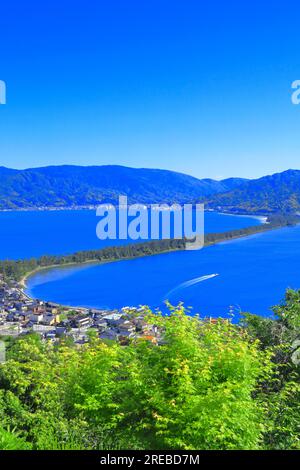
189,283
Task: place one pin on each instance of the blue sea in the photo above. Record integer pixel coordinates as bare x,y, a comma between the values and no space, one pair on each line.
36,233
248,274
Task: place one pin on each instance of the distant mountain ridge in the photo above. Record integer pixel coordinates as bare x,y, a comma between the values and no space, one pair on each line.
79,186
279,192
70,186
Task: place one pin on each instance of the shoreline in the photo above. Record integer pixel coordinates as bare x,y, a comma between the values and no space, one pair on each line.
23,282
93,208
262,218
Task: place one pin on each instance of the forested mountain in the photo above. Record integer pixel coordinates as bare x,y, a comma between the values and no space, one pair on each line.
67,186
78,186
275,193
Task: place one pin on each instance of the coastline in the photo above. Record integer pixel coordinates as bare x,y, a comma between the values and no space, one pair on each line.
93,208
262,218
23,282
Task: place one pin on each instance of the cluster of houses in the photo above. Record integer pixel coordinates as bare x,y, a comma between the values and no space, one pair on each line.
20,314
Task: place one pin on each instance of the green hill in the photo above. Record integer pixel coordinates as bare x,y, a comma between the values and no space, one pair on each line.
275,193
71,186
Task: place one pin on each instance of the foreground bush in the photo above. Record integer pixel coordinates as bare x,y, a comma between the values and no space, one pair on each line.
196,390
10,441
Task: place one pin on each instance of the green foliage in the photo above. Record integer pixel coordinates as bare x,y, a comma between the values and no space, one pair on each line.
67,186
205,386
194,391
9,440
281,392
270,194
288,313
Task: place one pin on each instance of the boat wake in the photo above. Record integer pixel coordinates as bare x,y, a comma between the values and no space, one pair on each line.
189,283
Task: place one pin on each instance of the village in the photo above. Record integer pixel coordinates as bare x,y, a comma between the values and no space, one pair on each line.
21,315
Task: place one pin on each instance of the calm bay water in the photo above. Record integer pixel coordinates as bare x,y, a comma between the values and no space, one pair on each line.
37,233
252,273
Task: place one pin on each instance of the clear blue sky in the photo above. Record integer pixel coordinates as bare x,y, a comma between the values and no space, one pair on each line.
205,90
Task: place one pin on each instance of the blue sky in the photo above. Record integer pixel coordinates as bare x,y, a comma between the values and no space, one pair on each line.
205,90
